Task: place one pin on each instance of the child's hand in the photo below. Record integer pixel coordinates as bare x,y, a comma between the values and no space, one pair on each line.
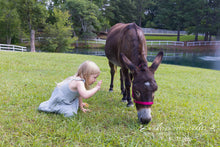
99,84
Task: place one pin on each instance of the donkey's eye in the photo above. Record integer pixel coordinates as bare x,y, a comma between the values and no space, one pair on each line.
137,93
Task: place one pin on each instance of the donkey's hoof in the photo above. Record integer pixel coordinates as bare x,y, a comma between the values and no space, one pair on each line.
110,90
124,99
130,104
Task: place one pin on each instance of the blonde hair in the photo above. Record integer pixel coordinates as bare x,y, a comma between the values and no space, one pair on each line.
85,70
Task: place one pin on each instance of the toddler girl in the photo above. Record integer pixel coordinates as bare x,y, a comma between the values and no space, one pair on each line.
67,96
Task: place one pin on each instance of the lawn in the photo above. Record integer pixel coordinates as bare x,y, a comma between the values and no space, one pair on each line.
173,38
185,112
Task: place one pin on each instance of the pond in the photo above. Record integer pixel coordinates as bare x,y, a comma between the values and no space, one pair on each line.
208,60
203,59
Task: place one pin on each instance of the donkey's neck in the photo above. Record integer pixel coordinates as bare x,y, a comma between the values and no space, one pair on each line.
139,59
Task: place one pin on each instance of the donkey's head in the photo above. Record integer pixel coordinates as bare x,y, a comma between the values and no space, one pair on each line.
143,86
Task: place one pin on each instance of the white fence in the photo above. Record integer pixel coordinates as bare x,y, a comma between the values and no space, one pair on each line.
161,31
164,31
203,43
26,40
9,47
174,43
152,43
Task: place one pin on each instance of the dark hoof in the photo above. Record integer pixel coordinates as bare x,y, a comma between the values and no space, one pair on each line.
124,100
130,104
110,90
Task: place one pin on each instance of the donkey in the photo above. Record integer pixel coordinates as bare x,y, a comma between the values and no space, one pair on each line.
126,47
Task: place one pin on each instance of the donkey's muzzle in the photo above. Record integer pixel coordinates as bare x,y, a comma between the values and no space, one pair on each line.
144,115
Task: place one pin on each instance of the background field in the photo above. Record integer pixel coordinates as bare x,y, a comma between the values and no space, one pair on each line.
173,37
149,37
185,112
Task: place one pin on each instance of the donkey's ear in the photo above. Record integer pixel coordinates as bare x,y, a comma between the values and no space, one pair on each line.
128,63
156,62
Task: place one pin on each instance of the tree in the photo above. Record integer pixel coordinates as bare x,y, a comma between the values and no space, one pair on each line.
127,11
203,17
58,34
99,3
171,15
104,22
123,11
211,21
32,14
143,10
84,16
9,21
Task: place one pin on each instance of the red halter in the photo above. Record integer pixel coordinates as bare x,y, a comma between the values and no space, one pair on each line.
140,102
143,103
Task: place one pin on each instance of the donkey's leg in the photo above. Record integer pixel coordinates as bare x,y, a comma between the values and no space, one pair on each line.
112,71
127,86
122,82
124,99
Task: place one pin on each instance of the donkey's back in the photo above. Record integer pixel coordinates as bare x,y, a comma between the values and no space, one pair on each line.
128,39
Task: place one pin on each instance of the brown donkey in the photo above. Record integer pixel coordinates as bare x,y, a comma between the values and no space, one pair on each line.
126,47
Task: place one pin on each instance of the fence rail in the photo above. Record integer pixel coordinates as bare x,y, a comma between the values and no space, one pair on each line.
9,47
164,31
161,31
203,43
152,43
174,43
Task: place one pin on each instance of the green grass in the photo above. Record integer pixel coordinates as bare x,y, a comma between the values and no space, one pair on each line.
174,38
185,111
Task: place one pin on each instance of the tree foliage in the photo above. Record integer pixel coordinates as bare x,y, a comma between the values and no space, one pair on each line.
121,11
32,14
57,35
203,17
171,15
87,17
84,16
9,21
144,10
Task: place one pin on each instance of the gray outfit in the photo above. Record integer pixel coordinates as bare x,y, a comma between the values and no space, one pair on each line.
62,101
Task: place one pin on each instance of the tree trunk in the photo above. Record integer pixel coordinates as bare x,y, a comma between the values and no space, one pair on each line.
178,35
218,34
210,37
32,39
140,12
77,45
140,21
196,36
8,40
206,36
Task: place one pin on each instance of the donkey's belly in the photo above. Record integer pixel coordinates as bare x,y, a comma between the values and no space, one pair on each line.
112,57
115,62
